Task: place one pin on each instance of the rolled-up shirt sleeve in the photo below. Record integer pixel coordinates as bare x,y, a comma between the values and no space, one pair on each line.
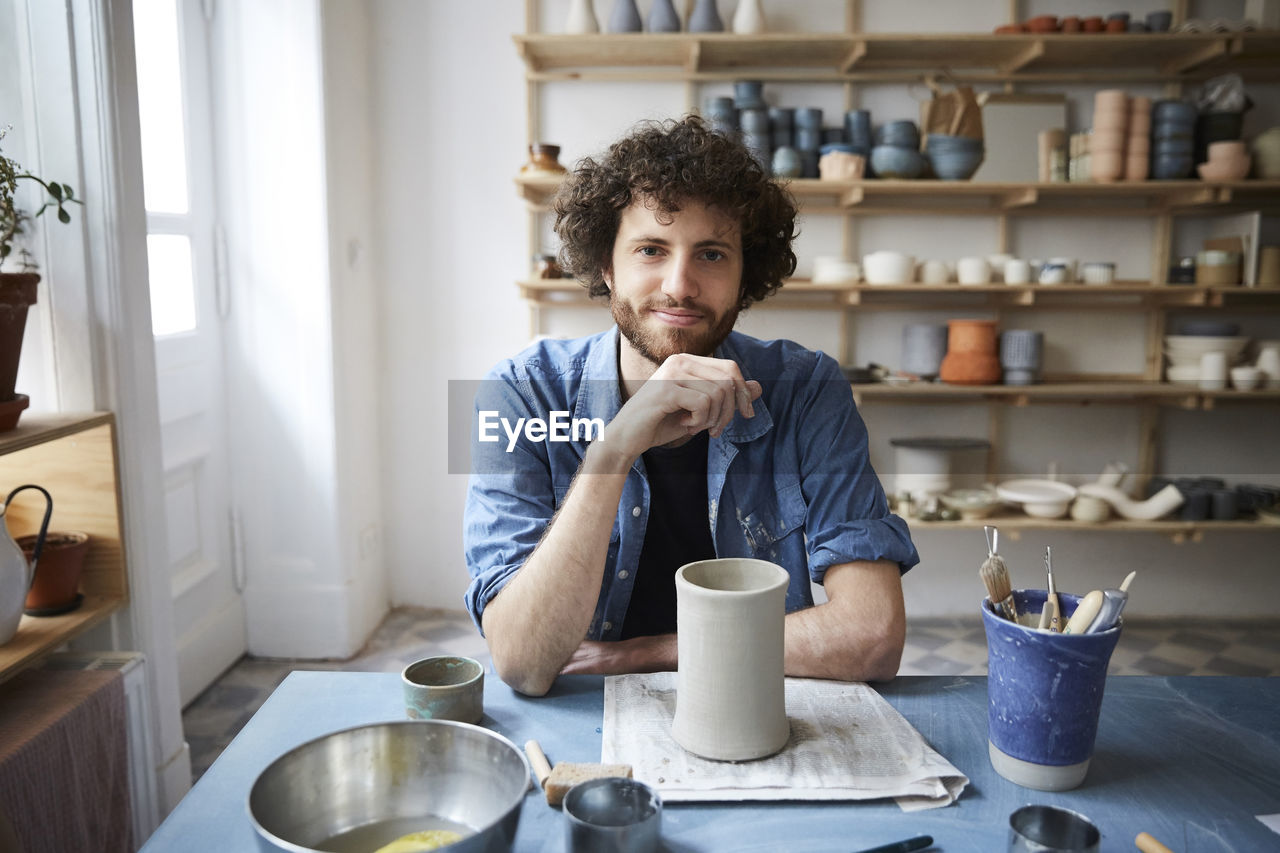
848,513
510,499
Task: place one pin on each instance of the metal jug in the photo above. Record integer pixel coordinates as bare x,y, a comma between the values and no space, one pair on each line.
16,574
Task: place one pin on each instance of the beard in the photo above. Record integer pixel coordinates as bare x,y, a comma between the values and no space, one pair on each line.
658,342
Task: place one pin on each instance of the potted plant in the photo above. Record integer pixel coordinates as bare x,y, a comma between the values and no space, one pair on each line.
18,287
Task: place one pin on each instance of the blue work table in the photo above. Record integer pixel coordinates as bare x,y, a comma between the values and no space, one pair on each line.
1190,760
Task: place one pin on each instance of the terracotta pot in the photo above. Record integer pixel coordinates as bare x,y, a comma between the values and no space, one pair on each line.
543,158
17,294
971,353
57,578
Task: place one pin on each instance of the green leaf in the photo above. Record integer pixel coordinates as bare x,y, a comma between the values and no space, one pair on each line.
68,193
55,191
63,216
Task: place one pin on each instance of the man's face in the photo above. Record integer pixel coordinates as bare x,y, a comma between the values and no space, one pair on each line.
675,286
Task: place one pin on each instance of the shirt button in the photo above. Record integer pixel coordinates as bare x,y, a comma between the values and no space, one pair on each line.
623,574
635,512
608,626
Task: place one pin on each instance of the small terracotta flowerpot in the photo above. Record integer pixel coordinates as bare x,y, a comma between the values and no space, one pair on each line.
971,353
57,580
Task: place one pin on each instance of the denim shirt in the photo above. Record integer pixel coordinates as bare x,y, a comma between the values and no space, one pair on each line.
793,484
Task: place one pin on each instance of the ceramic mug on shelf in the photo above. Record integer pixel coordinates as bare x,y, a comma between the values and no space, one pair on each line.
935,272
1213,371
1017,271
973,271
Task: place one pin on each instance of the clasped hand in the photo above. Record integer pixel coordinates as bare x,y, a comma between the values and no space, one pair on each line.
685,395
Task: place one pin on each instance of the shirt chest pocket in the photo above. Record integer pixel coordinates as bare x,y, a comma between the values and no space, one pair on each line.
563,491
776,517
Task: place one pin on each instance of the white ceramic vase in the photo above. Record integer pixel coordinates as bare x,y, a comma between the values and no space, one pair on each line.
582,18
748,19
730,697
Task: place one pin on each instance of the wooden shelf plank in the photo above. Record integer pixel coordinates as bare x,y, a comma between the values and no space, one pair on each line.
852,56
1187,396
1011,521
37,429
941,198
38,637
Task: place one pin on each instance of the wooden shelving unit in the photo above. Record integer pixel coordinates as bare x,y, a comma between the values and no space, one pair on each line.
74,457
851,58
865,57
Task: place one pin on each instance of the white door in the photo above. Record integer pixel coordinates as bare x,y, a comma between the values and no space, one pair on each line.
188,310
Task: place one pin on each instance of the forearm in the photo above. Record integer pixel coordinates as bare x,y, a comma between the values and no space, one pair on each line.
858,635
540,617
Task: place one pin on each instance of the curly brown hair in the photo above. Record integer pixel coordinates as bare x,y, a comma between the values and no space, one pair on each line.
674,162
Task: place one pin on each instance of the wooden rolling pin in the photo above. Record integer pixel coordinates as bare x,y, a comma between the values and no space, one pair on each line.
1147,844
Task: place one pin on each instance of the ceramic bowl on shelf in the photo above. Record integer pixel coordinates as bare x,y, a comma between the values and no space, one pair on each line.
828,269
1187,349
1039,498
886,267
971,503
1183,374
890,161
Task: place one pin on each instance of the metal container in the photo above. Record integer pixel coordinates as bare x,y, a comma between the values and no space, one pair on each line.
362,788
613,815
1047,829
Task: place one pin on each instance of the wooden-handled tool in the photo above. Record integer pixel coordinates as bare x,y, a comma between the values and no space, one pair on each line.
556,783
1147,844
1085,613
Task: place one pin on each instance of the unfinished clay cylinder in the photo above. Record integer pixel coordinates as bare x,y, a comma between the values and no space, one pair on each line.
730,700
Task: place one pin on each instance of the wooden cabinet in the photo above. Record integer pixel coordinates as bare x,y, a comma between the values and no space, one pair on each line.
852,59
74,457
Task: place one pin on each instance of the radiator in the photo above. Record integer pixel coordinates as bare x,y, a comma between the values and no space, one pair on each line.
143,789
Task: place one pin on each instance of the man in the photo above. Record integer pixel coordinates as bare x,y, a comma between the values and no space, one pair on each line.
714,444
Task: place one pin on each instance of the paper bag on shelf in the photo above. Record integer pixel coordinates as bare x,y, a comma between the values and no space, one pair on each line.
955,113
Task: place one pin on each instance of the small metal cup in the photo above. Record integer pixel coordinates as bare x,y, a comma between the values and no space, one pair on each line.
447,687
613,815
1047,829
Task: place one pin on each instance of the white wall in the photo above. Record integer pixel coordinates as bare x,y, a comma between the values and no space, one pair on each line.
453,238
295,170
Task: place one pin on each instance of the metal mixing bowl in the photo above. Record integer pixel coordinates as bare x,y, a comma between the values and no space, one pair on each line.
392,779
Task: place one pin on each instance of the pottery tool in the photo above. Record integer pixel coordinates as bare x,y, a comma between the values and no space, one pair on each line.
907,845
1113,603
1051,616
995,575
1148,844
556,783
1086,611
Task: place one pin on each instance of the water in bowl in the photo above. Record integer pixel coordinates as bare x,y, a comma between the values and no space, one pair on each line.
371,836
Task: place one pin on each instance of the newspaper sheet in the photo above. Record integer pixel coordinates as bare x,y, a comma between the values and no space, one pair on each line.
847,743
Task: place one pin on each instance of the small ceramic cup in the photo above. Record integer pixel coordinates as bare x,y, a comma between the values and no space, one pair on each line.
973,271
1213,371
447,687
1017,271
1246,378
935,272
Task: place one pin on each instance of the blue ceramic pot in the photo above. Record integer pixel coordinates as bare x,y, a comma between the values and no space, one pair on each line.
889,161
663,17
625,17
954,165
705,18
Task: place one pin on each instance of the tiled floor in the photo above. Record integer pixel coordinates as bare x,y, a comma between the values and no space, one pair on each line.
934,647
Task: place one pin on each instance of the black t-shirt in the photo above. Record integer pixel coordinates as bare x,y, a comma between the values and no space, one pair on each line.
678,532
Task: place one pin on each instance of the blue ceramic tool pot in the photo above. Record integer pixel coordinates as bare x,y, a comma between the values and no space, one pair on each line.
1044,695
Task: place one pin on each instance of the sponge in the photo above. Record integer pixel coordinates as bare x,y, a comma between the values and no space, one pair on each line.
556,783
